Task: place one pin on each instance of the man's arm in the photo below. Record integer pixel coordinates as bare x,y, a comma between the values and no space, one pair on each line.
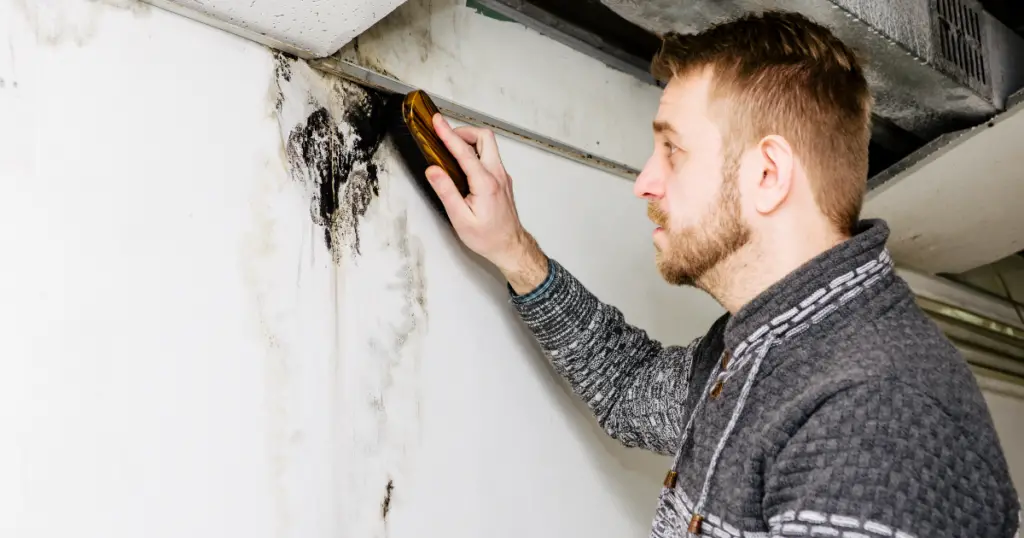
880,459
635,386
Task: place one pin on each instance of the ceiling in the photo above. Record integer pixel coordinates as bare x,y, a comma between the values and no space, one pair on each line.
911,107
305,28
955,206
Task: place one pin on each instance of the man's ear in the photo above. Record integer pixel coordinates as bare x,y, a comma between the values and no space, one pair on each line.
775,156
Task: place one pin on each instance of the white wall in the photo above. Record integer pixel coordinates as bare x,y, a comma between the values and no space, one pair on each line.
184,357
1006,413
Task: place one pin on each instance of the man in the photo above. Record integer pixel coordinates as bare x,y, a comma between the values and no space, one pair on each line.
823,403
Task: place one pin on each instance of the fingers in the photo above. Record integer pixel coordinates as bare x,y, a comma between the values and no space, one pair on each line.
454,204
461,150
486,147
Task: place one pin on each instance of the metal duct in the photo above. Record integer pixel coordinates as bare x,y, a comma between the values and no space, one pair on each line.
934,66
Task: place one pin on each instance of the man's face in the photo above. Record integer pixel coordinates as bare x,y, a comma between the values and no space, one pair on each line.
691,186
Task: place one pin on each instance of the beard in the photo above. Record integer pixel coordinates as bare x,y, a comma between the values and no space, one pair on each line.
692,252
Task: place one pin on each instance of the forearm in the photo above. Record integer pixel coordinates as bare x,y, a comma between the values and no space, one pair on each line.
633,384
528,269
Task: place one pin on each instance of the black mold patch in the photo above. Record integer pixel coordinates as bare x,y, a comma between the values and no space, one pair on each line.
385,505
339,158
282,72
282,65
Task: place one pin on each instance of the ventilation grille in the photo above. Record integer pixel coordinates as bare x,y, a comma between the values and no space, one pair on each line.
960,41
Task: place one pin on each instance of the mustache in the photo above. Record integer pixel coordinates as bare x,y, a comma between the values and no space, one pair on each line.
656,215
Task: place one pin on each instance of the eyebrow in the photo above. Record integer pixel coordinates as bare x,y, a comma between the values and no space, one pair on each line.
663,126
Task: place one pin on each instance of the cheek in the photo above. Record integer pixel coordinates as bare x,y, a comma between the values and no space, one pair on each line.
691,193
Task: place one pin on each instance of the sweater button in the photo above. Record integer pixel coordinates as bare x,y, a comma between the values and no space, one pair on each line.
670,479
695,524
716,391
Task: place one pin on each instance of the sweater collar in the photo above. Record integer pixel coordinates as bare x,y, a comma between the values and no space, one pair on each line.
813,289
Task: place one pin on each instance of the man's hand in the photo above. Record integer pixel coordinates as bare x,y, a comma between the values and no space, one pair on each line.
487,220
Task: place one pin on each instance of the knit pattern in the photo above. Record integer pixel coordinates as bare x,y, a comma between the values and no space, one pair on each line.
635,386
865,422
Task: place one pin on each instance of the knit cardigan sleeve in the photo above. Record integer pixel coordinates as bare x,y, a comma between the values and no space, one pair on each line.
635,386
880,459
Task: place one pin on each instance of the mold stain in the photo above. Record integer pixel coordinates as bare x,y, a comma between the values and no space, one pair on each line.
261,247
339,159
55,23
385,505
333,137
282,65
388,364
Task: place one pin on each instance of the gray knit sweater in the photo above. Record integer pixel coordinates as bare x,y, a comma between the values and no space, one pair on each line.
841,410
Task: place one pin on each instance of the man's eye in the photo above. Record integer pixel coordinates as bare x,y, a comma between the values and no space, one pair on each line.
671,148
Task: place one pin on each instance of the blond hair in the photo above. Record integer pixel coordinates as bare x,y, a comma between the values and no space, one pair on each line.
780,73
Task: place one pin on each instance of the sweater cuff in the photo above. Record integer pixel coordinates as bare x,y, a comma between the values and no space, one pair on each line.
557,305
537,292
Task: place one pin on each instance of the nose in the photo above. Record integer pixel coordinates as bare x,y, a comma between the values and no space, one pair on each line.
650,184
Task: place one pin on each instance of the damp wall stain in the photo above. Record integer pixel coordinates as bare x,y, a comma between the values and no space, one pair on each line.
385,505
339,158
386,424
282,65
57,22
338,155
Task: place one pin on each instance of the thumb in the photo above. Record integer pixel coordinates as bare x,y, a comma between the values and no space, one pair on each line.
454,204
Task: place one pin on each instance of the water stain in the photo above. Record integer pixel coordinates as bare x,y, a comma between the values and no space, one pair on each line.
334,138
135,7
339,158
414,286
55,23
368,61
411,23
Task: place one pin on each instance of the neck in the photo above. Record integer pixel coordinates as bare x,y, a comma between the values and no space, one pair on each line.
754,268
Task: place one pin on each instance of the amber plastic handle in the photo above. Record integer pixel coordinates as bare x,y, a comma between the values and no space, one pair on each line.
417,112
